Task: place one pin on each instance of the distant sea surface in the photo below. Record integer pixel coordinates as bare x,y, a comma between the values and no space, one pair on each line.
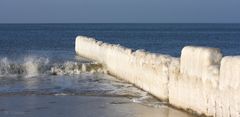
158,38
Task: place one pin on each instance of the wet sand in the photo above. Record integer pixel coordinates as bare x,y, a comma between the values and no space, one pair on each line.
80,106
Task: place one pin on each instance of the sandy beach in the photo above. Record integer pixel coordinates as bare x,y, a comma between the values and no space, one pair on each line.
80,106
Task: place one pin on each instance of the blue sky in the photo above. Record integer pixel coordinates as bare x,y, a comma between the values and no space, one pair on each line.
119,11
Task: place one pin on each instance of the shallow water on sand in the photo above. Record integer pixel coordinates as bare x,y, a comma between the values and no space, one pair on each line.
86,94
80,106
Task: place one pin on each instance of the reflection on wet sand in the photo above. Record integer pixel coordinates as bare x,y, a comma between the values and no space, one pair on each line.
84,106
85,95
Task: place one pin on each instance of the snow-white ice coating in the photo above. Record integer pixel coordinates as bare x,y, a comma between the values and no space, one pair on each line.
196,86
195,81
230,75
201,62
229,95
146,70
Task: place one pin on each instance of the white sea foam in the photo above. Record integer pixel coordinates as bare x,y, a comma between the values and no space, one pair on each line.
72,68
33,66
7,67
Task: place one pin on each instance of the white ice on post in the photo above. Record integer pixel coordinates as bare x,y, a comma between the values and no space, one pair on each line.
195,81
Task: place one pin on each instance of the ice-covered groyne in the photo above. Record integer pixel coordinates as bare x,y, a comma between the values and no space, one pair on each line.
146,70
200,80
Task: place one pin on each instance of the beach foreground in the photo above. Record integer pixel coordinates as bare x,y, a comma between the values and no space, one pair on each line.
76,106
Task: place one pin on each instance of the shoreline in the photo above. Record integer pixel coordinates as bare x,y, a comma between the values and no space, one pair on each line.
61,106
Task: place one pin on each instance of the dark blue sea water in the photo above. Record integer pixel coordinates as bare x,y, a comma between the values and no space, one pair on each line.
160,38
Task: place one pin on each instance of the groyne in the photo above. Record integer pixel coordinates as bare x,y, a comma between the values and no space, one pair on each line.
201,80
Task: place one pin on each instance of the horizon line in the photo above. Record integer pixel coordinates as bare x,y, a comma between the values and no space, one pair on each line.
120,23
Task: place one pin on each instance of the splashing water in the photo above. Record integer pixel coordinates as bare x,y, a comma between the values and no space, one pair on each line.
9,68
34,66
39,75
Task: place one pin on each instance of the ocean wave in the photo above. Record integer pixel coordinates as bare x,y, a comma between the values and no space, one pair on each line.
41,76
32,66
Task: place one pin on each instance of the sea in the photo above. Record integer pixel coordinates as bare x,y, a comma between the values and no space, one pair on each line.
40,60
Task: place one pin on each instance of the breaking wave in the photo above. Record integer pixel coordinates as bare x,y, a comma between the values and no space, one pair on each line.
34,66
41,76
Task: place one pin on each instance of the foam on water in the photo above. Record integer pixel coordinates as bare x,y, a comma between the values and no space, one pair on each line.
34,66
34,75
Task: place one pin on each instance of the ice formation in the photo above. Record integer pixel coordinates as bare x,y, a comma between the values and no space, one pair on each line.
196,85
146,70
200,80
229,95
